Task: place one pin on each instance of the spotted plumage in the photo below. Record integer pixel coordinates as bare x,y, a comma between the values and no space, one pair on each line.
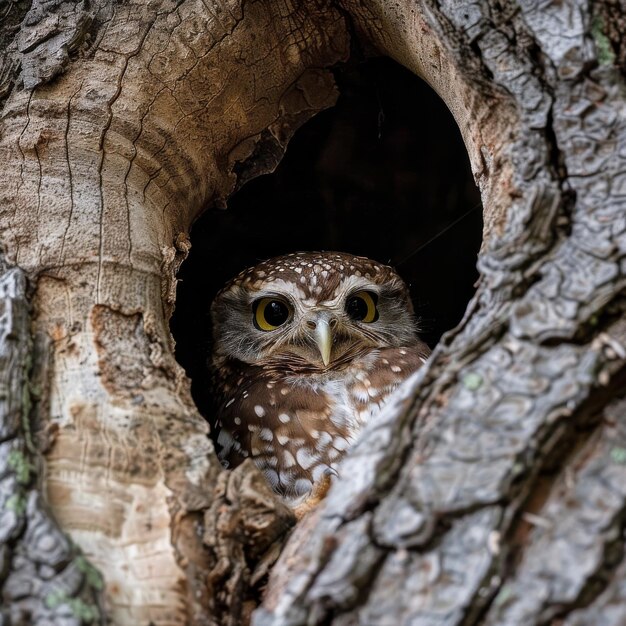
306,348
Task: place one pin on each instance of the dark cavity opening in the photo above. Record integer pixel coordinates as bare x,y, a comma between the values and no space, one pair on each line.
383,174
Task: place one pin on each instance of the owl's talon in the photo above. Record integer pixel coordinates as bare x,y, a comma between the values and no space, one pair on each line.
318,493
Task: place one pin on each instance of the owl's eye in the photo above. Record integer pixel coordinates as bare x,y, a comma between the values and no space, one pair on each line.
269,313
361,307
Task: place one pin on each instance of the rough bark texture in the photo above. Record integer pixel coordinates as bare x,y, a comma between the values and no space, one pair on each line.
494,492
43,575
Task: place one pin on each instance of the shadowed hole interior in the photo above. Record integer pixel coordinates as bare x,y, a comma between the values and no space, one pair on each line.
383,174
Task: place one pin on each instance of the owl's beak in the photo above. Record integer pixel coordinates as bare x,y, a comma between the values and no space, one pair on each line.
324,339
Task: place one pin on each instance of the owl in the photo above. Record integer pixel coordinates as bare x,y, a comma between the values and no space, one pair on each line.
307,347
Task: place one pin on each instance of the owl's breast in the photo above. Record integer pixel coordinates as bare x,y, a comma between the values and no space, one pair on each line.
368,382
297,426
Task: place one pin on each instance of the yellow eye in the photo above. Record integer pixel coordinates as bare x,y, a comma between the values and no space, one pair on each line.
361,307
269,313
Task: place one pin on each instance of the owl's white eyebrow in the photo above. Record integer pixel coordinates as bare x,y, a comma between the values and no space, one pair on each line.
290,299
344,295
375,289
352,284
277,287
269,294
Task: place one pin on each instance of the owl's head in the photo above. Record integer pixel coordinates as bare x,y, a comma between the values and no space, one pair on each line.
315,307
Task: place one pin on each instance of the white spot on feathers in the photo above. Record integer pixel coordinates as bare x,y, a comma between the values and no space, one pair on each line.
302,486
266,434
324,440
333,453
317,472
340,443
225,439
305,458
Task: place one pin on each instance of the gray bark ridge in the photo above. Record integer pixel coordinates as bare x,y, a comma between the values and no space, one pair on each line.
39,41
44,578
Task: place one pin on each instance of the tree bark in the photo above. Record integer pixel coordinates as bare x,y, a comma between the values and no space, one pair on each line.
44,576
493,492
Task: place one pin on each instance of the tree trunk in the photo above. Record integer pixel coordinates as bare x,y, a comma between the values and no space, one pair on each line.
495,491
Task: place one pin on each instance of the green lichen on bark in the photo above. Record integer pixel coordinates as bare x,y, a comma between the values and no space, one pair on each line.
604,50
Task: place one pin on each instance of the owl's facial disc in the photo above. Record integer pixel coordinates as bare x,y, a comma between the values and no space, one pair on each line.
315,331
321,309
323,335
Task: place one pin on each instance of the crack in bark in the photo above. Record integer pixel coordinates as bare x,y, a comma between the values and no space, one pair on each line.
558,520
69,170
